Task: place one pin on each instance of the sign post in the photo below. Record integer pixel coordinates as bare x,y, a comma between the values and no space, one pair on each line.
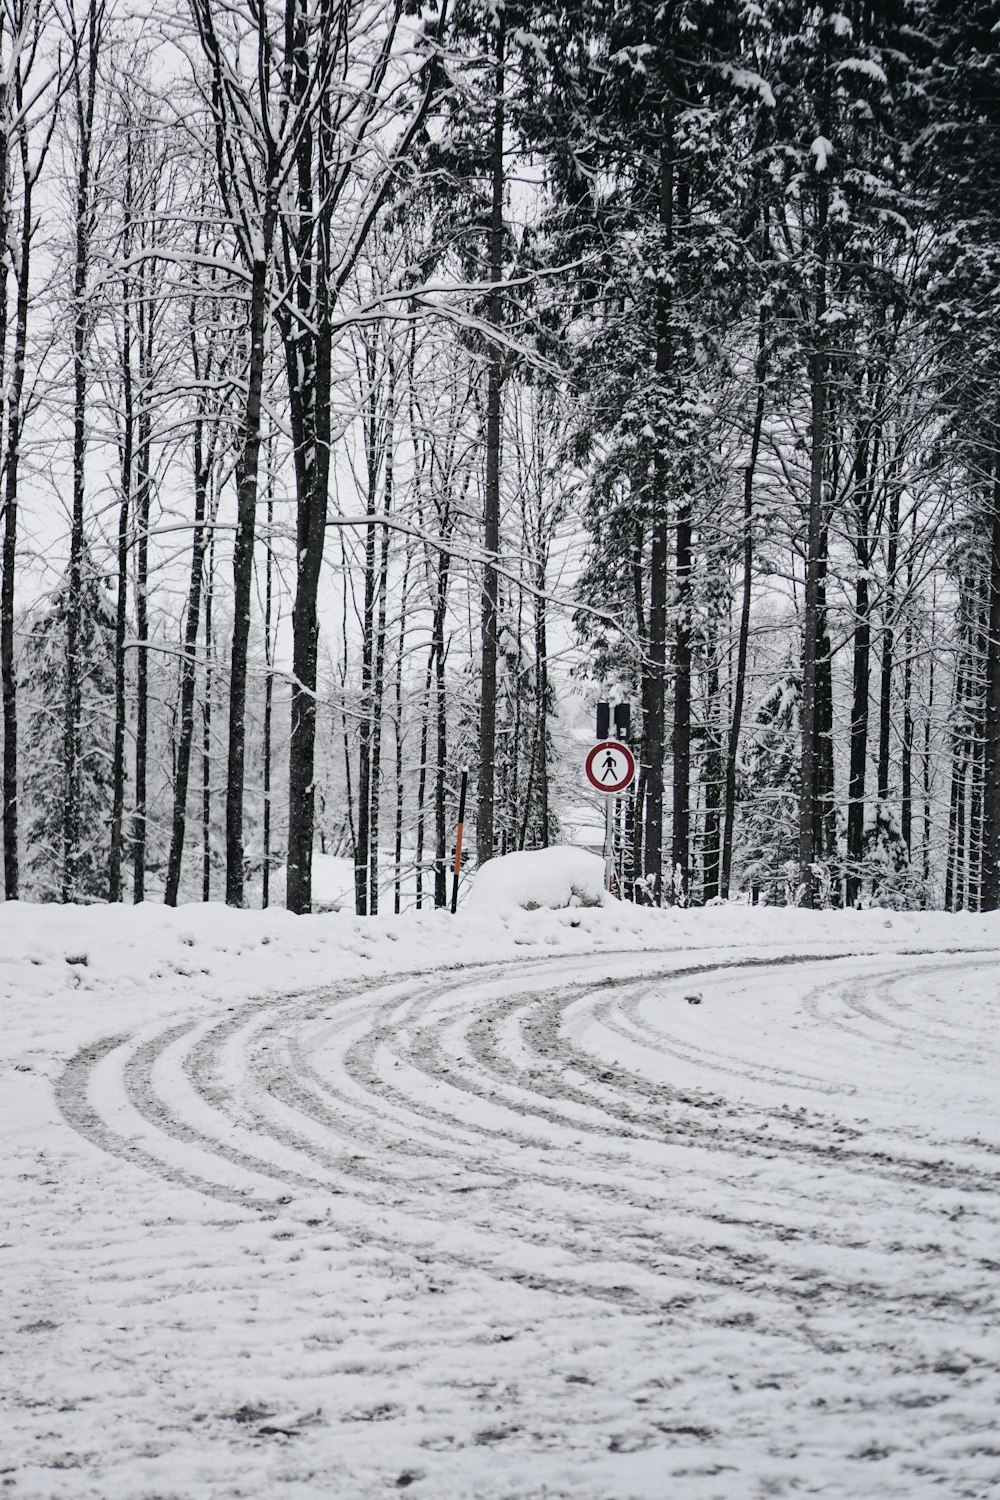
610,768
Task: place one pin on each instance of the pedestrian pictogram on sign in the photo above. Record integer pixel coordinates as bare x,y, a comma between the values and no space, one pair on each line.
610,767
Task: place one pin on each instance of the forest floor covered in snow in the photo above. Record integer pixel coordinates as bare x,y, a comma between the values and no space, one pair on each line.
588,1204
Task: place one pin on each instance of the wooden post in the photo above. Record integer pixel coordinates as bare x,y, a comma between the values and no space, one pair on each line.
458,839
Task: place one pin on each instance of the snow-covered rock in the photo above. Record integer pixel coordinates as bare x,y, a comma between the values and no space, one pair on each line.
552,878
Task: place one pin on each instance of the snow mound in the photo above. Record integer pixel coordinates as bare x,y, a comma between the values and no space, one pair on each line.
551,878
332,883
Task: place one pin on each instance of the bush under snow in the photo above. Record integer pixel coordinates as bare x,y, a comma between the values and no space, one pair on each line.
552,878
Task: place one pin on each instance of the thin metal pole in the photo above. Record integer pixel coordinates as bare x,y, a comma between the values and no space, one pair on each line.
609,842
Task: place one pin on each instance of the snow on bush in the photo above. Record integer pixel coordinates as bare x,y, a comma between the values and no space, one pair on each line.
552,878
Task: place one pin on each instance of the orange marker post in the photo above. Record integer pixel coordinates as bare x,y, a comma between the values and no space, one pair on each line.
458,839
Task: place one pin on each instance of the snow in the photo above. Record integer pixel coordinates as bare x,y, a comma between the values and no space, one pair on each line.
866,67
332,883
485,1207
822,150
560,876
750,82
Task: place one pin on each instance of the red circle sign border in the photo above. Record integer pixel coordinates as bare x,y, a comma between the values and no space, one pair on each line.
620,749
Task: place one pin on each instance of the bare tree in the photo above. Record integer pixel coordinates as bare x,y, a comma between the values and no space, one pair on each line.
27,119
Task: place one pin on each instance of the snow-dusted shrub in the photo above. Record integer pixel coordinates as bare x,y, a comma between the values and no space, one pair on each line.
552,878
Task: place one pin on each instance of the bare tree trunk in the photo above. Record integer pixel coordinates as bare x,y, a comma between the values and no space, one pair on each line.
888,648
422,776
991,779
859,725
810,824
485,838
269,646
11,467
926,778
712,852
143,498
117,853
314,430
206,736
84,97
655,676
955,883
809,830
202,459
441,766
397,886
680,847
743,638
362,853
243,552
378,684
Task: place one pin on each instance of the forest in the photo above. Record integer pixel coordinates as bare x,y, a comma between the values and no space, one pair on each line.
385,383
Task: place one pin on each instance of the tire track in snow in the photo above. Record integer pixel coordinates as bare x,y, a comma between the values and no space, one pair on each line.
574,1169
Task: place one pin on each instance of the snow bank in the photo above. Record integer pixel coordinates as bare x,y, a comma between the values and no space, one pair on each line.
542,878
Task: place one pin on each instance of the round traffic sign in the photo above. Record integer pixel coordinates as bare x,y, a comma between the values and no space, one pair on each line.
610,766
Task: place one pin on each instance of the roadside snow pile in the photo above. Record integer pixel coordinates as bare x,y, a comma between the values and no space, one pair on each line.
551,878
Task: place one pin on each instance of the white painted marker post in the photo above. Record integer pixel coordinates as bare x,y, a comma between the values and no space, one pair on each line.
610,768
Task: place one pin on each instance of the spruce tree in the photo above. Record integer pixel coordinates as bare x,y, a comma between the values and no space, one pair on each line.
44,789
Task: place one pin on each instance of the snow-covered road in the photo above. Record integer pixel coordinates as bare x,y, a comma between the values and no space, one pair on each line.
603,1226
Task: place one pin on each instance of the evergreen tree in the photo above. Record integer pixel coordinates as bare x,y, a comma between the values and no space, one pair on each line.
963,174
648,138
44,789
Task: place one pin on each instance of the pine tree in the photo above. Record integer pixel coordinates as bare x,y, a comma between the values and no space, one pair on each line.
649,151
963,173
44,790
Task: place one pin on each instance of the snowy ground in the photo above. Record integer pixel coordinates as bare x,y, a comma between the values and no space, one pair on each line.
488,1208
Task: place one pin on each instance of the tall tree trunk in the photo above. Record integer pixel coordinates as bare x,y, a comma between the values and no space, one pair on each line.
654,714
680,846
859,725
825,796
712,853
991,779
189,659
954,881
84,97
378,684
743,638
810,823
117,852
542,692
312,431
397,885
362,853
809,831
421,832
243,554
491,491
11,464
441,765
906,806
888,648
206,731
142,511
269,648
927,765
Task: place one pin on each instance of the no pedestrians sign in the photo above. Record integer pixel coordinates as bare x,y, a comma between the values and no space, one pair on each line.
610,767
